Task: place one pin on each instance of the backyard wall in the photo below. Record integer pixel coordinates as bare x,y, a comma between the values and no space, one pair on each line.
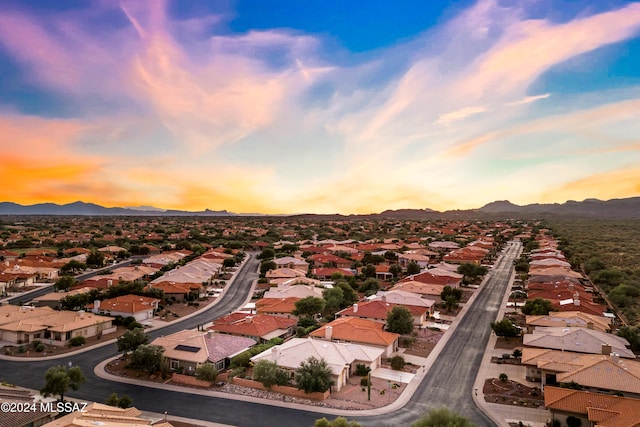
289,391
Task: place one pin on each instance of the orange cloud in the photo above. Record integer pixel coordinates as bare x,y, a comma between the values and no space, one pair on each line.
608,185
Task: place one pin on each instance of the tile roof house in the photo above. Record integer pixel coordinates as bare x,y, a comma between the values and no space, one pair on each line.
341,358
34,417
359,331
296,291
325,273
189,349
140,307
21,325
292,263
282,307
330,260
436,276
398,296
260,327
52,299
98,414
594,372
580,340
284,273
377,310
569,319
592,409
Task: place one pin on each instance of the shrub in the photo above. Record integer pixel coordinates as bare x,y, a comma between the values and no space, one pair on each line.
77,341
397,362
503,377
362,370
364,381
40,348
35,343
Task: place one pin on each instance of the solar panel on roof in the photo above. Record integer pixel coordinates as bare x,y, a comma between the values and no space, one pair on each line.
188,348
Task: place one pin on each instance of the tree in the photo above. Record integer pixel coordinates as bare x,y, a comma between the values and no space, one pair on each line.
95,259
413,268
505,328
207,372
471,271
631,334
369,286
349,295
132,339
338,422
267,254
72,267
334,298
538,307
268,373
369,270
266,266
120,402
58,379
64,283
400,320
314,375
503,377
147,358
309,307
442,417
395,269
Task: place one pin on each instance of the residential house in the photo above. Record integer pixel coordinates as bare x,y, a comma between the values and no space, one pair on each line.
436,276
296,291
19,398
186,350
177,291
330,260
282,307
292,263
359,331
325,273
140,307
605,372
377,310
98,414
580,340
260,327
22,325
569,319
52,299
422,260
592,409
404,298
284,273
341,358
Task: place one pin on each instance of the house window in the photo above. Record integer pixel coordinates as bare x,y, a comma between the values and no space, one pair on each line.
174,364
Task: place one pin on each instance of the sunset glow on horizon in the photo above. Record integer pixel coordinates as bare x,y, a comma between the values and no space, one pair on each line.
319,107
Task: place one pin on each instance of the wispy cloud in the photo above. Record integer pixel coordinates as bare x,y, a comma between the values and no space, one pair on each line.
193,116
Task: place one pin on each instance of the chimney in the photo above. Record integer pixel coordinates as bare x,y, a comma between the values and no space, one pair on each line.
96,306
355,308
328,332
615,358
275,353
209,334
109,283
589,325
606,349
384,298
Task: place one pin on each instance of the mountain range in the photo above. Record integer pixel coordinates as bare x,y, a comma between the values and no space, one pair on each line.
589,208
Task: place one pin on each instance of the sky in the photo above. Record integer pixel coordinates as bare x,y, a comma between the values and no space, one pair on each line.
319,106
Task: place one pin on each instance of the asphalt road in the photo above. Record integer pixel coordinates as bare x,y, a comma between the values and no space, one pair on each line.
448,383
21,299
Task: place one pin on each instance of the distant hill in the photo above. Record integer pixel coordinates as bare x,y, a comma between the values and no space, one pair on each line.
589,208
90,209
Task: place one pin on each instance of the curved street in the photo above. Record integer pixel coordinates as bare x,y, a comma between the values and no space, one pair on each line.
449,382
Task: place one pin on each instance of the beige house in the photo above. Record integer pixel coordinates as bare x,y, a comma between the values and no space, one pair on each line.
98,414
569,319
359,331
186,350
139,307
341,358
579,340
22,325
605,372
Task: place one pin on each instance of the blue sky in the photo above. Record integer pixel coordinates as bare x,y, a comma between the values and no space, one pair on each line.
319,106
